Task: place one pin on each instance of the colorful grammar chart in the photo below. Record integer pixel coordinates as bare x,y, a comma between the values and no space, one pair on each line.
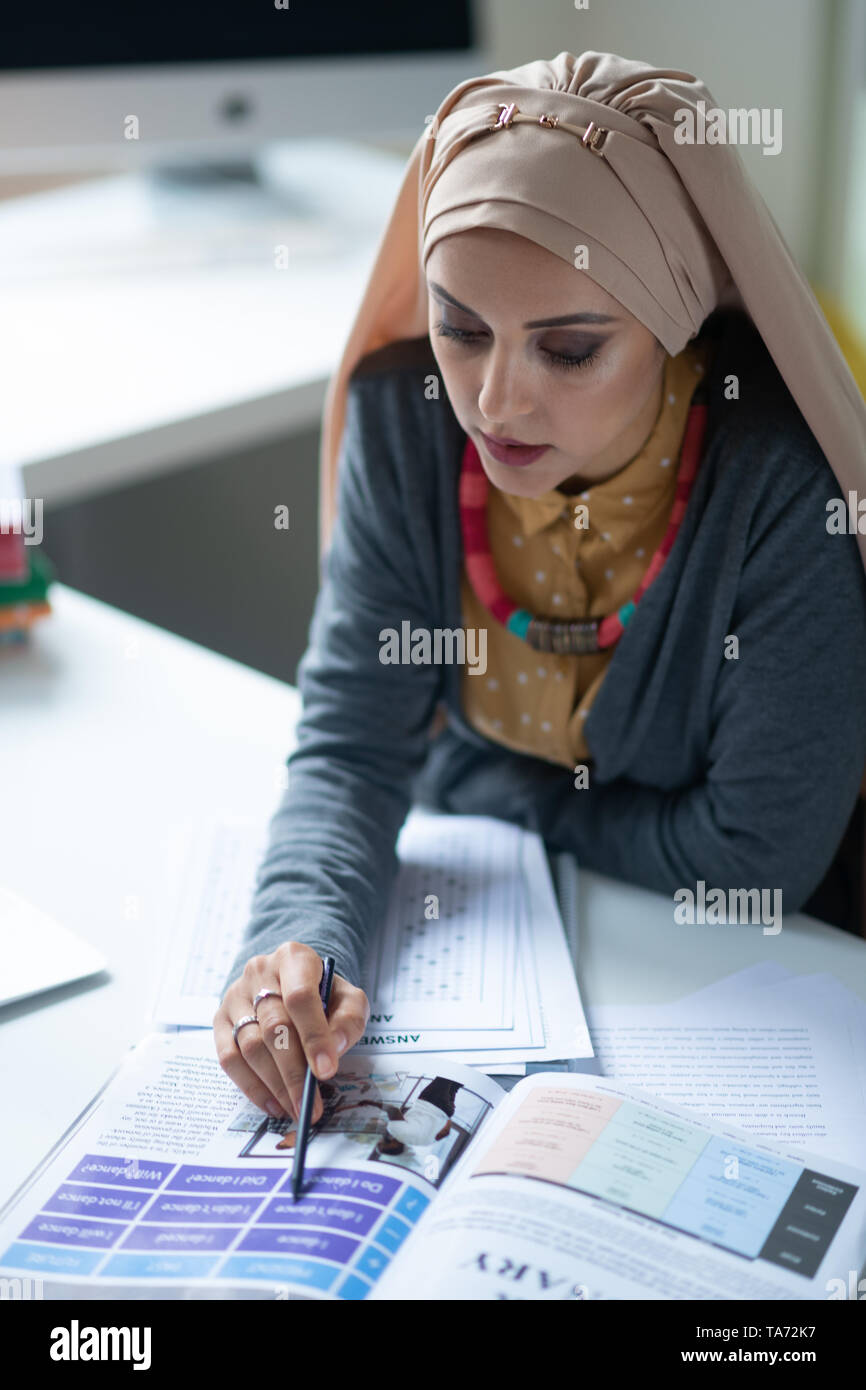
117,1219
742,1199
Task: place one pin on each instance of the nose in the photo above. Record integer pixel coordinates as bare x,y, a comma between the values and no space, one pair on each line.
505,390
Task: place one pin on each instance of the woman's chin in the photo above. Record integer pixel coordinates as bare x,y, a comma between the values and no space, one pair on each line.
531,481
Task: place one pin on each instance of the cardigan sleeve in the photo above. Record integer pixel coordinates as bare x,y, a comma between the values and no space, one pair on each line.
364,727
787,748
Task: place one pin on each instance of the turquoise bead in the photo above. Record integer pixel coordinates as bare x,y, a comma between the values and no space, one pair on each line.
518,622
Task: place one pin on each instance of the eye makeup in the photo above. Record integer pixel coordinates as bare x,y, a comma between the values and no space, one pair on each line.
563,360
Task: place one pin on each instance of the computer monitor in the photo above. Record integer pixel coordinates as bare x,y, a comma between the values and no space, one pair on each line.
98,84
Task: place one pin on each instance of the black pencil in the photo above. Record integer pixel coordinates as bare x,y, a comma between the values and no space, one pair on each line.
303,1132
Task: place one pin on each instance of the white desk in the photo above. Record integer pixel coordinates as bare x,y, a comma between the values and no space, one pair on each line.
112,732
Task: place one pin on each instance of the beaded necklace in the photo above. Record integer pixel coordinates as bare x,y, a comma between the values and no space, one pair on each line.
583,635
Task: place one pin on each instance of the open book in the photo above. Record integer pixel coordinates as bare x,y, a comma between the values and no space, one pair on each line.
423,1180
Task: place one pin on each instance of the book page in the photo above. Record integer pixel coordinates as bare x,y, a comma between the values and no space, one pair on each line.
581,1188
173,1182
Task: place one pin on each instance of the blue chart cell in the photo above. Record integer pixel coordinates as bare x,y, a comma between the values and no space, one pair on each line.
122,1266
80,1199
353,1287
372,1263
195,1238
392,1233
733,1195
20,1255
412,1204
332,1212
73,1230
306,1272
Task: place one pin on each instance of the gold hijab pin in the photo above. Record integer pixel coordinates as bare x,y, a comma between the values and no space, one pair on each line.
506,115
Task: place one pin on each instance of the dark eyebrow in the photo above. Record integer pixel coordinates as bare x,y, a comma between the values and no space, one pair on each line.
586,317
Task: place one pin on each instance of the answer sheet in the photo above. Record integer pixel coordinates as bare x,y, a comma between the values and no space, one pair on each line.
471,958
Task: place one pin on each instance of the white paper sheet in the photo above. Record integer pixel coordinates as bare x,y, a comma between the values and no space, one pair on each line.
782,1060
38,953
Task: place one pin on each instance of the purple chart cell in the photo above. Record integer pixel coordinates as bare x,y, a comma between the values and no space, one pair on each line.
170,1206
195,1238
345,1182
333,1212
300,1241
194,1178
107,1202
73,1230
146,1173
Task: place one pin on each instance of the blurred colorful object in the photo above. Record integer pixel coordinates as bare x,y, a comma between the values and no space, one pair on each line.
25,573
24,600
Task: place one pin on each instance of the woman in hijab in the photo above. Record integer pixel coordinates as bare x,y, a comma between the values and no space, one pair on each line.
591,470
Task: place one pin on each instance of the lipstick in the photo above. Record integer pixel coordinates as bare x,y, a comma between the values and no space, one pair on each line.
513,452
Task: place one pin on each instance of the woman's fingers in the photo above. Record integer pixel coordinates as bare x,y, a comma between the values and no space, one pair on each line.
280,1037
269,1060
322,1039
251,1069
348,1014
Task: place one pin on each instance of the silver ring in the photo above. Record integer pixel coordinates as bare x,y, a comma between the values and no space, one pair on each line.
242,1023
264,994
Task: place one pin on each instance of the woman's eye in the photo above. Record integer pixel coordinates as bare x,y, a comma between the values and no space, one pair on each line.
450,330
564,360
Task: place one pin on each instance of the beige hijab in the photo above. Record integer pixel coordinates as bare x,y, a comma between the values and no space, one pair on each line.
672,230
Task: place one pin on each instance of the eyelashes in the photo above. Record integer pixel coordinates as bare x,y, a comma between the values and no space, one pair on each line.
560,359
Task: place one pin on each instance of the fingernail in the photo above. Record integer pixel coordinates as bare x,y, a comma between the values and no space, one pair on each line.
274,1108
324,1065
342,1042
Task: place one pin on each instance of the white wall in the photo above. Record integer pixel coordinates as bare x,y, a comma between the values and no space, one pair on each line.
842,241
852,287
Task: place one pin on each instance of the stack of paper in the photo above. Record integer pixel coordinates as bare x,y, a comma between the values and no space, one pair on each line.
471,959
778,1054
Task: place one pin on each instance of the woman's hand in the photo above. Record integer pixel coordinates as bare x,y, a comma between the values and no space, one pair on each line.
269,1060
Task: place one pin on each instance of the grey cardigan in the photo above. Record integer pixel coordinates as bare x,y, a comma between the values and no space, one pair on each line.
740,772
